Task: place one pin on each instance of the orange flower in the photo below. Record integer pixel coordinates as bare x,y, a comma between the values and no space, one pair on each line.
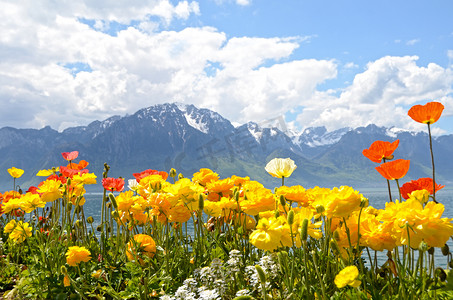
427,114
142,244
380,150
76,255
70,155
394,169
419,184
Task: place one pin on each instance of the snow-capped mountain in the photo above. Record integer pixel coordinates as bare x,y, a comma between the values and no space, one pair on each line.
188,138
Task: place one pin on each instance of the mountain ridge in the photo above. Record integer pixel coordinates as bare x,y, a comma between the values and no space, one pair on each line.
175,135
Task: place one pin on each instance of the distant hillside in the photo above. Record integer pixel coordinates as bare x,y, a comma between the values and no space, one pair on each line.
187,138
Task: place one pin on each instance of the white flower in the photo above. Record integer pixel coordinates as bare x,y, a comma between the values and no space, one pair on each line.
132,184
281,167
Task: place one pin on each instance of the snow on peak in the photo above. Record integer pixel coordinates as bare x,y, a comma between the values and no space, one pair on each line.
196,122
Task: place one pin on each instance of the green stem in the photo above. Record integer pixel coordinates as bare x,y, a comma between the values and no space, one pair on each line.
432,160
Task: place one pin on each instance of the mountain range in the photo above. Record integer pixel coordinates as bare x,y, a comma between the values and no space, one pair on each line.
187,138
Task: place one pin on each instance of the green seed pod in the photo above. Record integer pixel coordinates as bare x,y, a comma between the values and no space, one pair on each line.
115,214
364,203
275,190
200,202
445,250
236,196
172,173
450,263
304,230
261,274
440,273
276,214
90,220
68,182
431,250
78,223
99,228
78,209
69,206
290,217
112,198
282,200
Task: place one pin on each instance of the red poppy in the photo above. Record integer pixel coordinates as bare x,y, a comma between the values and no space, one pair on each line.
394,169
69,156
419,184
146,173
55,177
113,184
427,114
380,150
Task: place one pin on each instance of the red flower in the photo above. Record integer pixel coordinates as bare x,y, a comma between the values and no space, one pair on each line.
380,150
427,114
419,184
69,156
394,169
33,190
113,184
146,173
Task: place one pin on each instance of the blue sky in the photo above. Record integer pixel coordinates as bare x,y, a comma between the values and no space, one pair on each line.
318,63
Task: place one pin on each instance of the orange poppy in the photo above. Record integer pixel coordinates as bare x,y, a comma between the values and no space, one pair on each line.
380,150
427,114
394,169
419,184
81,165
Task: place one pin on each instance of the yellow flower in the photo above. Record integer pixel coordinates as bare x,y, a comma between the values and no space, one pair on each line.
342,201
347,276
421,195
257,201
267,235
50,190
204,176
10,226
76,255
281,167
86,178
20,232
48,172
15,172
96,274
31,201
142,244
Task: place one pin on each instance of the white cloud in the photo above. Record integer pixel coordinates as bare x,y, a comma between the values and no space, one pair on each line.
412,42
243,2
381,95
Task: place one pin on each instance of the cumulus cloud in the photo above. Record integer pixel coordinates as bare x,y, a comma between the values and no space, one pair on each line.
58,69
381,95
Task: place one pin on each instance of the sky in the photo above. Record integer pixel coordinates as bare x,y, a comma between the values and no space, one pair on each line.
332,63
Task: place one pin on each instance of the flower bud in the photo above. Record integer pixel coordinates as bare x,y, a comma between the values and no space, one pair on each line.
440,273
68,182
112,198
290,217
180,176
336,235
236,196
304,230
261,274
431,250
90,220
78,223
282,200
99,228
200,202
63,270
445,250
172,173
320,209
423,246
334,246
69,206
115,214
276,214
364,202
450,263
